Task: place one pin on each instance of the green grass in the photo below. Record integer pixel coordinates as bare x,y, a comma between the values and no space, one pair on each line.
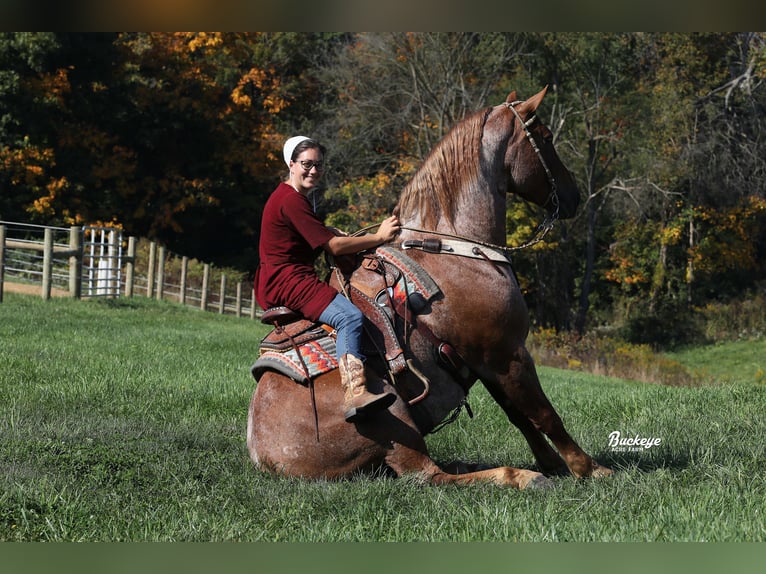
735,361
125,421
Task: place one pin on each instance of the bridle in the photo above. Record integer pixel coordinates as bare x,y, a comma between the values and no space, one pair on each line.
553,196
549,221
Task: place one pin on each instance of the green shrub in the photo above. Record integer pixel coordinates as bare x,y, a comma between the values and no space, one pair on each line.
670,326
741,319
607,355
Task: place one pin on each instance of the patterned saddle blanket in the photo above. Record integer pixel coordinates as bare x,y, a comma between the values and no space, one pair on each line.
386,279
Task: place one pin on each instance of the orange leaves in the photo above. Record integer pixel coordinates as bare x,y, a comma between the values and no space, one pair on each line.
45,205
725,237
672,234
119,164
266,84
634,254
53,86
202,40
625,271
184,43
85,136
26,165
711,242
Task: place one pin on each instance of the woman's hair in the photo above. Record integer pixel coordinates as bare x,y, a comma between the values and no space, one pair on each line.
307,144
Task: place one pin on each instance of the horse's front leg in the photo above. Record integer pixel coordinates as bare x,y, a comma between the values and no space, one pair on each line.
518,392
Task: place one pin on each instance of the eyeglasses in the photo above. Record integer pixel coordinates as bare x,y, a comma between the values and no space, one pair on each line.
308,164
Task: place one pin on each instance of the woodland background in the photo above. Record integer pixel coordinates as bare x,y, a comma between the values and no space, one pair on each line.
177,137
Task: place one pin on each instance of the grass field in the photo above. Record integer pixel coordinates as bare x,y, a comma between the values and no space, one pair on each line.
735,361
125,421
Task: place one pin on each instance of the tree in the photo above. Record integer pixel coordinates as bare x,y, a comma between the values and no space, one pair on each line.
399,93
176,137
26,156
590,75
701,151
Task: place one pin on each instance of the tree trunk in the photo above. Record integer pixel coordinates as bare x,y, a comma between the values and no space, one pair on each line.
590,257
690,264
658,279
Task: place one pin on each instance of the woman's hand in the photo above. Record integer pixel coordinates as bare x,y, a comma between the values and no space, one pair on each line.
389,229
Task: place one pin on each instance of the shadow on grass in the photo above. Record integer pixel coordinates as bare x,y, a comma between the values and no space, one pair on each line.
643,461
121,303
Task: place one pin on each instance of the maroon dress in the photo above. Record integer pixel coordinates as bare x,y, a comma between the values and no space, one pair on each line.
291,238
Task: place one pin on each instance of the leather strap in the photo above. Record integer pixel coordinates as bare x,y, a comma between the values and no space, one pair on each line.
457,247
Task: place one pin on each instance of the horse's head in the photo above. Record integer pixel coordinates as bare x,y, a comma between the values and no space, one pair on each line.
536,171
462,183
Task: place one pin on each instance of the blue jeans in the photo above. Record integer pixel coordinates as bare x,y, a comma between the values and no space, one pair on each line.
346,318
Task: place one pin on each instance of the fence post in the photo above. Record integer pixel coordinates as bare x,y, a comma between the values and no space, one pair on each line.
75,262
252,303
239,299
2,260
47,263
222,300
130,264
205,283
184,267
161,273
150,271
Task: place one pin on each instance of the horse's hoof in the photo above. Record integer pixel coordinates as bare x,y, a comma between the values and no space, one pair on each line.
540,482
600,471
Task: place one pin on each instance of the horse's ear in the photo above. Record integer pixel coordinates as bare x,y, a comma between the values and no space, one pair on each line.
530,106
511,97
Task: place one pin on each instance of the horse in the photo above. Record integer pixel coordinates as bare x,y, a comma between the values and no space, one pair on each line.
456,197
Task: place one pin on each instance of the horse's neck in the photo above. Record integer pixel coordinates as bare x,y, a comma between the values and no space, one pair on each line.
483,219
480,216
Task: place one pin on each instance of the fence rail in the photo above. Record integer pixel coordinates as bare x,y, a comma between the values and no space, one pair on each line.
99,262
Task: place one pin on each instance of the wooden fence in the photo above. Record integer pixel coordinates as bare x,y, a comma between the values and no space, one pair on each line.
83,267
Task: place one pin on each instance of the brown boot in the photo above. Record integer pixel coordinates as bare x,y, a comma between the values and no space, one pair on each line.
357,400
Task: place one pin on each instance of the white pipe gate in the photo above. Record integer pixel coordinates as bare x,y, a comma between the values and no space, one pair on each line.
101,261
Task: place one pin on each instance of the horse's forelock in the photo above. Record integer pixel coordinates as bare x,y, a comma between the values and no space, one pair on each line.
448,169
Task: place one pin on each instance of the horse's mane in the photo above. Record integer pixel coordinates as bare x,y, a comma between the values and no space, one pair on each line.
449,169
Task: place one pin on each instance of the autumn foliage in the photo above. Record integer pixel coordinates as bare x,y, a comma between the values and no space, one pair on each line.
177,137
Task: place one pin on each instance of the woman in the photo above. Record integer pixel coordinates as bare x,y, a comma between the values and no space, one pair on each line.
291,238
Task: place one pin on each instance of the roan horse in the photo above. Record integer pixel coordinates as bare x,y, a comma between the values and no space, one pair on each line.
458,195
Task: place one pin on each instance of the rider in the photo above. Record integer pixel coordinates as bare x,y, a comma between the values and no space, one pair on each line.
291,238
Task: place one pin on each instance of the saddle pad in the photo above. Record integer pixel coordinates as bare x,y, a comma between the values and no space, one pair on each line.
414,277
319,356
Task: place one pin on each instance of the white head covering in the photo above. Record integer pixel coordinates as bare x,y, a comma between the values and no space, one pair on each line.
290,147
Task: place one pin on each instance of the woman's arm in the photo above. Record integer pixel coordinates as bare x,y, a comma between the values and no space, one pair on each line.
346,245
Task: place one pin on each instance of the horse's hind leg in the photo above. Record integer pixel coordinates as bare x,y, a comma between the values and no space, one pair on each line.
408,462
519,393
